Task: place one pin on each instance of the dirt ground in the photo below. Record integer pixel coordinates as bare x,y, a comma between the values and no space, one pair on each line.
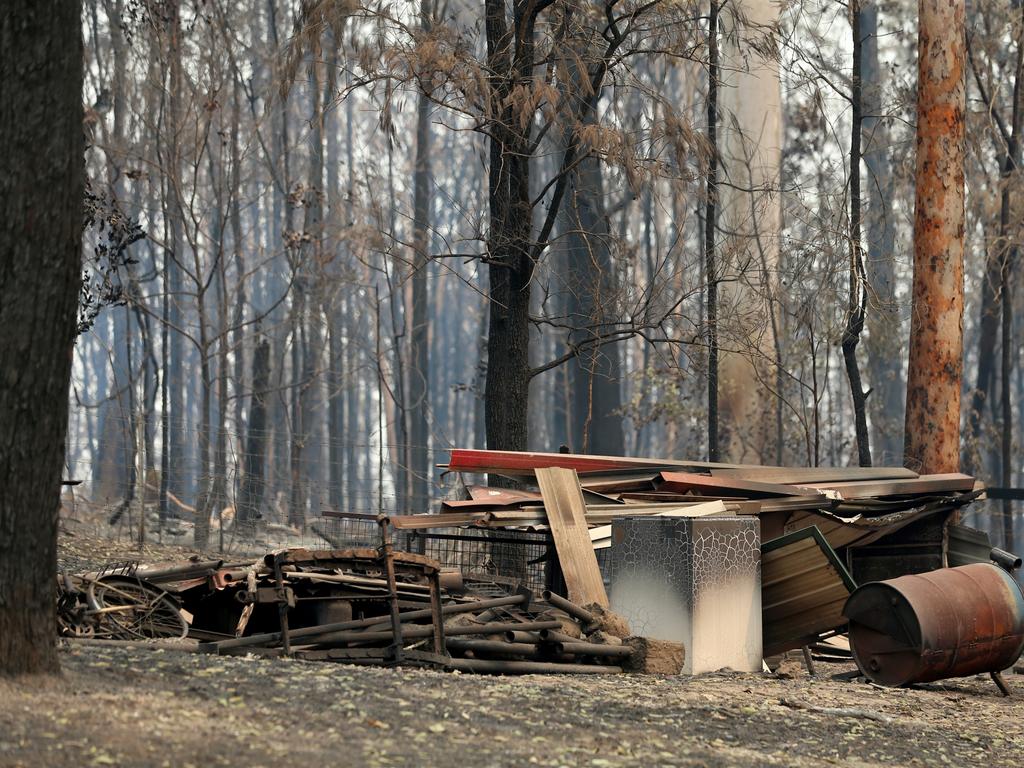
142,707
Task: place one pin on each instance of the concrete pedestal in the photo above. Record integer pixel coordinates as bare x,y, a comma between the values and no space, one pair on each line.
696,581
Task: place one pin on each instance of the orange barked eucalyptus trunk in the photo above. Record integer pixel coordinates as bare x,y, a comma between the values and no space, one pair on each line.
936,328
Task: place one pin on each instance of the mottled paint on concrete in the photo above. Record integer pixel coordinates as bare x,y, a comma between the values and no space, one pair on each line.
694,581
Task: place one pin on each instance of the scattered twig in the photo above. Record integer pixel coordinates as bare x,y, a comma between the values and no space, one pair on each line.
867,714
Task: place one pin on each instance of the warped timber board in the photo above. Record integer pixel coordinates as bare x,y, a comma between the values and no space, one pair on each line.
567,517
804,475
524,463
642,480
706,485
662,497
443,520
486,499
601,536
924,484
501,496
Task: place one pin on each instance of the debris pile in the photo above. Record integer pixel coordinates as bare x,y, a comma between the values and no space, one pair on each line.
358,606
803,539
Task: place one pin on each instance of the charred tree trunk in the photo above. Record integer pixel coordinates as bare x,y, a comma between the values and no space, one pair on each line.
250,497
595,372
932,442
418,402
857,304
710,229
506,391
41,193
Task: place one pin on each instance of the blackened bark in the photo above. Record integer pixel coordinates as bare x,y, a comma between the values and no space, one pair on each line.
336,421
594,423
595,372
418,401
506,391
41,193
250,497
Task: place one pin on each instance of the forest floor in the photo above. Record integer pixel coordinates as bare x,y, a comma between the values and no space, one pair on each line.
143,707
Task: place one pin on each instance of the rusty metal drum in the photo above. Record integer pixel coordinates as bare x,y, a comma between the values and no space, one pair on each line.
953,622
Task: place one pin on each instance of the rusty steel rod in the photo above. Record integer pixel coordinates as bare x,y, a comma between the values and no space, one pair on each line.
356,581
517,636
530,667
500,646
419,631
553,635
268,638
177,572
569,607
596,649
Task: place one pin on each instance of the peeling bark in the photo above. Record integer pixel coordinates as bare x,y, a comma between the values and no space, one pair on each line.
936,331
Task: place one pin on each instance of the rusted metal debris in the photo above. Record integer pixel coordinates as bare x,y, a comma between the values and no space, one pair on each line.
116,605
395,608
952,622
361,605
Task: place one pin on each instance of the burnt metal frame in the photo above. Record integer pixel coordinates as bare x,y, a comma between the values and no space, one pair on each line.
385,556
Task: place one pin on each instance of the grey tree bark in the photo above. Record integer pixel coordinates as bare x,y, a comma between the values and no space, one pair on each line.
882,344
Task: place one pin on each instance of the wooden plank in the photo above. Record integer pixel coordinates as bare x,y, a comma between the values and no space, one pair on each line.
621,481
804,475
925,484
444,520
524,463
566,510
501,496
601,536
707,485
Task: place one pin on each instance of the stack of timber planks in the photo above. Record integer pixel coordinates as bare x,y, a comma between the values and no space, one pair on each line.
849,505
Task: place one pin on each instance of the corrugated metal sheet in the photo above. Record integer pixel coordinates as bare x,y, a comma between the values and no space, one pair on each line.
967,545
804,587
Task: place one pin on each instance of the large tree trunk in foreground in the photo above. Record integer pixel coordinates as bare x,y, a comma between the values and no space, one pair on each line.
41,191
936,325
506,391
